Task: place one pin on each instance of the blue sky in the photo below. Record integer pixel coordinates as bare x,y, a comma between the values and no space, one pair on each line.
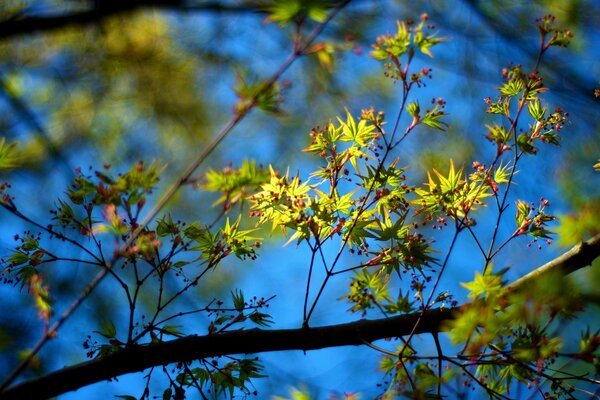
280,270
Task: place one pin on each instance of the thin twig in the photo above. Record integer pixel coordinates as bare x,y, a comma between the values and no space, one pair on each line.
138,358
170,192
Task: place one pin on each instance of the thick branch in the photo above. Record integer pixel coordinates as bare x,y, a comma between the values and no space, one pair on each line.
190,348
26,25
578,257
139,358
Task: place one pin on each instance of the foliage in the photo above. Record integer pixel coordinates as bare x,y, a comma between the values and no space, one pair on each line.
360,202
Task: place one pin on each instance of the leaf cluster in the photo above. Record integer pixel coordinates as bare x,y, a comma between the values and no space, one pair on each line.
235,184
356,198
408,37
520,331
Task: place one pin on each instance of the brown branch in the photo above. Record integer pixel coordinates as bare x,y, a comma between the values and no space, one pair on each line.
139,358
27,25
190,348
578,257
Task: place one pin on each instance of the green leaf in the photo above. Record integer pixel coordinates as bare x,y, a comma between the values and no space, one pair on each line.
388,46
501,107
522,219
452,194
235,184
30,244
424,42
497,133
18,258
260,318
503,173
317,11
433,118
286,11
8,155
361,133
401,305
238,241
194,231
551,137
525,144
413,109
512,88
172,330
536,111
166,226
367,290
108,330
488,284
252,92
238,300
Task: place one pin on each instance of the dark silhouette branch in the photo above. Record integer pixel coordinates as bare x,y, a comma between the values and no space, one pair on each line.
139,358
27,25
190,348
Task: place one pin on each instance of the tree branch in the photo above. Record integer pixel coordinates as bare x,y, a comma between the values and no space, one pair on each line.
580,256
27,25
139,358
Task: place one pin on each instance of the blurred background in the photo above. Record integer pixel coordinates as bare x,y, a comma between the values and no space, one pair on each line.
89,83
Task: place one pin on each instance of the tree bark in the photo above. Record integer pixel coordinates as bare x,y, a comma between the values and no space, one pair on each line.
139,358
